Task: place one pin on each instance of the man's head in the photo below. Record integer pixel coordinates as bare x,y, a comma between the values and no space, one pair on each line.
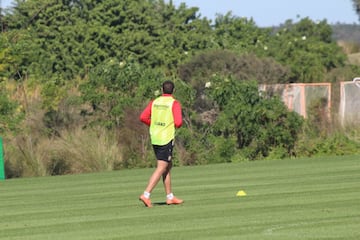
168,87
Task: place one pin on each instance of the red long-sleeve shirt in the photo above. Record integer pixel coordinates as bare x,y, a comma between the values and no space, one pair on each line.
145,116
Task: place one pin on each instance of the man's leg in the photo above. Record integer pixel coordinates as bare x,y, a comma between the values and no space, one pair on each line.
170,198
167,179
160,170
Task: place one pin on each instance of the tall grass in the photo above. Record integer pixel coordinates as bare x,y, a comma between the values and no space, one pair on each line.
87,151
78,151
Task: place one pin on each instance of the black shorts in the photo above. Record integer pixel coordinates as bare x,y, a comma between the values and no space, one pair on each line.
164,152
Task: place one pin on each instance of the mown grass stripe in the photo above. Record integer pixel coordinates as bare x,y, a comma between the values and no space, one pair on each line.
286,199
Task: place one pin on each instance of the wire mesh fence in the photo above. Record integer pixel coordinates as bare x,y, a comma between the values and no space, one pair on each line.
299,97
349,110
302,97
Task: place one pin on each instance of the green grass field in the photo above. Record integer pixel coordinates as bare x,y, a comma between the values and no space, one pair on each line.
286,199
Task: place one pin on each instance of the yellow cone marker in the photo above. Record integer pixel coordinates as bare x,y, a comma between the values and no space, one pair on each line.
241,193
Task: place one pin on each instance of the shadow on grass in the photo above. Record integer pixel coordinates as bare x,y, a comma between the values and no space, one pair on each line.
159,203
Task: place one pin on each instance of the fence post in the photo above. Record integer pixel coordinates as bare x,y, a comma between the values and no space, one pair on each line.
2,165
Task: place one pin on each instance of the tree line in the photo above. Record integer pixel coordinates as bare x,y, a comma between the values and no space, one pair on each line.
76,74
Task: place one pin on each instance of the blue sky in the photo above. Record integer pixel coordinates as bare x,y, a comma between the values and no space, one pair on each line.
275,12
272,12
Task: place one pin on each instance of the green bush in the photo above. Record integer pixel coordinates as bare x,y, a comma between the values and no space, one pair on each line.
10,113
204,66
257,122
307,48
114,85
332,144
221,149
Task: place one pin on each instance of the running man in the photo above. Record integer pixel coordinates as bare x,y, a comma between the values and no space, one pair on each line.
162,115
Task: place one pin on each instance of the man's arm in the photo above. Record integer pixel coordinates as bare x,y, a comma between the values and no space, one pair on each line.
145,116
176,109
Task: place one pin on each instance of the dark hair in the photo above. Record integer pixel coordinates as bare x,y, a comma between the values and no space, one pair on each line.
168,87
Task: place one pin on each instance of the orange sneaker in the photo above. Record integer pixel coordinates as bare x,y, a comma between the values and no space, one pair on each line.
174,200
146,201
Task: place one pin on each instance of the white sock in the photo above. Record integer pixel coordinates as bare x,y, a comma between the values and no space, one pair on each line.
146,194
170,196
